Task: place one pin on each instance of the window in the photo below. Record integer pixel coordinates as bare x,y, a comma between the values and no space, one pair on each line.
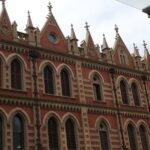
143,135
135,94
53,134
16,74
123,90
103,132
1,73
65,83
132,138
97,88
48,80
70,135
1,134
18,133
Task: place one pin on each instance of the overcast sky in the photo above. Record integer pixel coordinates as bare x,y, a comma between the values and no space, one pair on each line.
101,15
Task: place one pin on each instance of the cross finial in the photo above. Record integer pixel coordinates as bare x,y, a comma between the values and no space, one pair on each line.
87,26
103,35
50,8
116,28
28,13
144,44
134,46
3,2
71,26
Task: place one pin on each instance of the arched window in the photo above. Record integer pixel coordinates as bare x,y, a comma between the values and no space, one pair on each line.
18,133
48,80
53,134
143,135
16,74
1,134
97,88
70,135
1,73
103,132
124,92
135,94
65,83
132,138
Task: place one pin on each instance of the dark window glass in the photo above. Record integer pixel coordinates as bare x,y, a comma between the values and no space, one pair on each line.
48,80
53,134
103,131
70,135
143,135
65,84
1,74
123,90
15,74
97,88
1,134
18,133
132,138
135,94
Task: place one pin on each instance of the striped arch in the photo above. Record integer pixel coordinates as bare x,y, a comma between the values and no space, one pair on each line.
92,72
121,78
129,121
71,116
135,81
49,115
141,122
45,63
99,120
22,113
2,70
20,58
62,66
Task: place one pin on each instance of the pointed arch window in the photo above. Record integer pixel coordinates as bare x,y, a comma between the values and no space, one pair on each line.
70,135
16,75
97,88
18,133
132,138
135,94
143,135
1,133
65,83
103,132
1,73
48,80
53,134
124,92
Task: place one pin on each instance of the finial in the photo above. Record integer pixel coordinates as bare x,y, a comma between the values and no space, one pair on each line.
28,13
71,26
50,8
3,2
116,28
134,46
144,44
87,26
103,35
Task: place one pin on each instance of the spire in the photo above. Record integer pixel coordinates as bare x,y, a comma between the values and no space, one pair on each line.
50,9
136,51
73,36
105,45
146,53
29,21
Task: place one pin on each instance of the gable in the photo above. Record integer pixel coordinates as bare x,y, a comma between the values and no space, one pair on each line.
52,37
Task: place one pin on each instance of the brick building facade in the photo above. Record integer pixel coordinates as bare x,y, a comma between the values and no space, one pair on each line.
56,94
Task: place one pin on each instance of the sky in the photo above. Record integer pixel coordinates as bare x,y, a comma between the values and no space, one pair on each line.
101,15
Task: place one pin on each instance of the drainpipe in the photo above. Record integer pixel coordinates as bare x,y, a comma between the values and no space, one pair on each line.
112,72
34,55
